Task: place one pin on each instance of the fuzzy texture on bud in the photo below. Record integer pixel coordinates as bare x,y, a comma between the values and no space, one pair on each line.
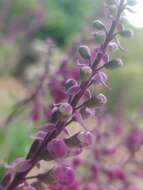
126,33
84,52
97,100
70,82
64,175
57,148
114,63
100,78
82,139
65,109
97,24
112,47
85,138
85,73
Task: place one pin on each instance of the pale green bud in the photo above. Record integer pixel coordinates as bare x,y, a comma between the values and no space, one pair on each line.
126,33
85,73
114,63
84,52
97,24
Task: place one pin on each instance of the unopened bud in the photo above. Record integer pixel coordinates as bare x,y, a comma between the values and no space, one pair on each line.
126,33
65,109
112,47
97,100
61,112
115,173
100,78
81,139
70,83
57,148
85,138
135,139
85,73
64,175
97,24
73,90
84,52
114,63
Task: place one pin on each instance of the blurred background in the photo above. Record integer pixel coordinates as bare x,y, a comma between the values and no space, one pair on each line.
25,26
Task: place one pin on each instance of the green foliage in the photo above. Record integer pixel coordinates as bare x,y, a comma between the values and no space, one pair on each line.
126,83
66,18
14,142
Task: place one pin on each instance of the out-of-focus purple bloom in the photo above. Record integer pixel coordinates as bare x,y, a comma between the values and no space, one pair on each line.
135,139
115,173
57,148
64,175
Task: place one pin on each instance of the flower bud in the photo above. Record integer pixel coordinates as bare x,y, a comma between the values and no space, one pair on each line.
112,47
85,138
70,83
73,90
85,73
115,173
126,33
60,175
84,52
114,63
81,139
97,24
100,78
64,175
57,148
134,139
65,109
61,112
98,100
75,151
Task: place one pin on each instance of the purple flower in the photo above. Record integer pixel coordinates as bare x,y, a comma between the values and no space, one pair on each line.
115,172
64,175
135,139
57,148
85,138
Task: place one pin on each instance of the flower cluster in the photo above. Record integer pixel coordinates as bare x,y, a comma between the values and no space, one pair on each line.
74,100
